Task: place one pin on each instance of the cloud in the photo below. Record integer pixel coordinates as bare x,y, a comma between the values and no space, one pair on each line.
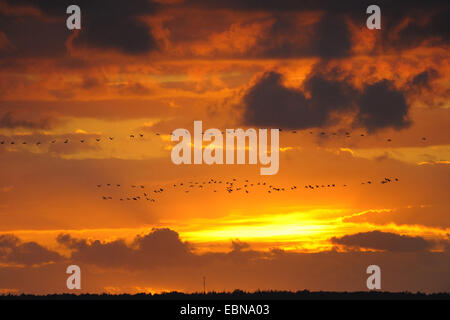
238,245
386,241
8,121
159,247
270,103
431,216
332,38
105,24
31,37
13,250
327,38
405,24
118,25
424,79
381,105
164,248
125,266
416,24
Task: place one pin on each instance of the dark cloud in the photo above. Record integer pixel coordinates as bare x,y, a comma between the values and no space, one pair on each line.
381,105
12,250
328,96
159,247
31,37
163,245
116,25
113,254
282,5
415,25
424,78
332,38
90,83
241,252
354,8
10,121
238,245
383,241
110,24
125,266
405,24
135,88
328,38
269,103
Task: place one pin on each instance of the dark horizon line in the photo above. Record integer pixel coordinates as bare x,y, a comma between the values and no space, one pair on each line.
238,295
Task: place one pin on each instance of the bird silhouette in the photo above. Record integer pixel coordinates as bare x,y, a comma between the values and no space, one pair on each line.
232,186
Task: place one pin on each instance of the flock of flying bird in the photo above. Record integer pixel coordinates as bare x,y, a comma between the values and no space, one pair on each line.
148,194
229,186
141,135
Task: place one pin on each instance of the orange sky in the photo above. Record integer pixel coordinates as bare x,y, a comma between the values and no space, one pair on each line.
228,65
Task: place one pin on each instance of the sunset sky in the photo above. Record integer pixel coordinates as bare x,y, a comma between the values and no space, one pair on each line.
354,105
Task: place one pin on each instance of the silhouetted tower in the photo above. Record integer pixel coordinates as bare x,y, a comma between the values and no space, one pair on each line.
204,285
